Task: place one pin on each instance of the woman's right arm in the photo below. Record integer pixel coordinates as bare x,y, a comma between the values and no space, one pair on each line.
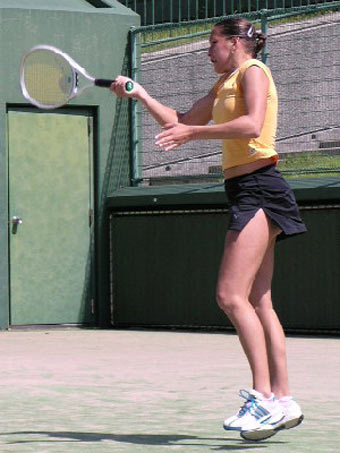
199,114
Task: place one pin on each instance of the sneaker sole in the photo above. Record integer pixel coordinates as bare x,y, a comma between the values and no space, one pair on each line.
291,423
231,429
258,435
264,434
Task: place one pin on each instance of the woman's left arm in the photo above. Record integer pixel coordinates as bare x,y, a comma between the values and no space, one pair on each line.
255,85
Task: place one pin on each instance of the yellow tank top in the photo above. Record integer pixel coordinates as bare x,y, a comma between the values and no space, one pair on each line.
229,104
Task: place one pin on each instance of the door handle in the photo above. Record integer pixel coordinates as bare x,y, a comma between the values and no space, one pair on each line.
15,222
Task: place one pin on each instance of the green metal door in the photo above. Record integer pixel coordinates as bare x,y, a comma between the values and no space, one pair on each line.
50,192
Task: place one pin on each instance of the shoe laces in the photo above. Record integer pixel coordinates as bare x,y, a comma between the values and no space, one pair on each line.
251,405
248,405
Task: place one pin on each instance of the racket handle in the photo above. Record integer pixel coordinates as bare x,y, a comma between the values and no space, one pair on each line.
107,83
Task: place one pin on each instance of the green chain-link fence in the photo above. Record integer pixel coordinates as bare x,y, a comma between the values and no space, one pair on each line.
304,56
161,11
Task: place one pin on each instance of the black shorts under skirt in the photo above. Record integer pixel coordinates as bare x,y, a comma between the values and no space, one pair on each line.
264,189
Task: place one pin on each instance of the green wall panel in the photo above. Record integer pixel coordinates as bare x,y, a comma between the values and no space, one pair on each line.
164,270
306,288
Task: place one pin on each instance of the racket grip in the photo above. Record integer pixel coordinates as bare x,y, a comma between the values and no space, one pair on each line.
107,83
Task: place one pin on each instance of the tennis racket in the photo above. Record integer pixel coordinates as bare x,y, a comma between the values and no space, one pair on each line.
50,78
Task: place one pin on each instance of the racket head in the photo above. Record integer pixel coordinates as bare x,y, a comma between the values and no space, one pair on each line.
48,78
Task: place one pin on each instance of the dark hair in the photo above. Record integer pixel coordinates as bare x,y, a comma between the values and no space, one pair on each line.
238,26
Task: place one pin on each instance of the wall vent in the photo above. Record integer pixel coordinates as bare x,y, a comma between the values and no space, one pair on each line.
98,3
330,144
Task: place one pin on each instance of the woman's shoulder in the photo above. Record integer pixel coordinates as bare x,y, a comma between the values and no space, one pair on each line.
254,62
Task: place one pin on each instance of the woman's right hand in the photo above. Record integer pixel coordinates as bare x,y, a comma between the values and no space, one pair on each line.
162,114
118,87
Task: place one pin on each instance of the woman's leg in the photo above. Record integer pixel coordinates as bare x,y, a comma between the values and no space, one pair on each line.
260,298
243,256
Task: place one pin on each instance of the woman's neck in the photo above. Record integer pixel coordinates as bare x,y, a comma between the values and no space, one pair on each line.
236,64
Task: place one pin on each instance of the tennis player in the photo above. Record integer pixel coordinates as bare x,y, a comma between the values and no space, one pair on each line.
243,104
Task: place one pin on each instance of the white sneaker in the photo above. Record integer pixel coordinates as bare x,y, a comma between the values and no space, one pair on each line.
256,411
292,417
293,414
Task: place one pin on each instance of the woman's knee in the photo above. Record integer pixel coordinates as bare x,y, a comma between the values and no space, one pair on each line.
261,303
228,301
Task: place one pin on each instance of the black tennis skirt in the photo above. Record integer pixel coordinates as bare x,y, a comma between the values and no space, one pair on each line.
264,189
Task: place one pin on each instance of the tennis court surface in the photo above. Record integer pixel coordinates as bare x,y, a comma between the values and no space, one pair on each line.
74,390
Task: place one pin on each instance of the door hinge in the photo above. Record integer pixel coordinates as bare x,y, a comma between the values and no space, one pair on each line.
90,217
92,307
88,126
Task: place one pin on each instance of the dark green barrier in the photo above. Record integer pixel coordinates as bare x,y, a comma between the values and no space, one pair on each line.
166,247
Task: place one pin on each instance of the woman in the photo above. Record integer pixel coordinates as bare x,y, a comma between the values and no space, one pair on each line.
243,105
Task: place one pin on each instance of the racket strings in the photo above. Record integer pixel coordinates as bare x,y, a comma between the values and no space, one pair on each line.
48,78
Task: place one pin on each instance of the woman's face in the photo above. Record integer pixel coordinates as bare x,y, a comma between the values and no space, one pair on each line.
220,51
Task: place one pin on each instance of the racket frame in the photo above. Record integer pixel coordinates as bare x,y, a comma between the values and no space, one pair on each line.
76,69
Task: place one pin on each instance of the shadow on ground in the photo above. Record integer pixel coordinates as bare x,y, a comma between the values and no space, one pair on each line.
139,439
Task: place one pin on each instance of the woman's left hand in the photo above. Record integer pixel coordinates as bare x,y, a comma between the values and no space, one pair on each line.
175,134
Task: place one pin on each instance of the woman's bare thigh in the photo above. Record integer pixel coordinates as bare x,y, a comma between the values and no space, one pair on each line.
243,254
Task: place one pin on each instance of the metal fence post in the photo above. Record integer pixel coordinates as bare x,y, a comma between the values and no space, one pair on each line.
264,29
134,167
